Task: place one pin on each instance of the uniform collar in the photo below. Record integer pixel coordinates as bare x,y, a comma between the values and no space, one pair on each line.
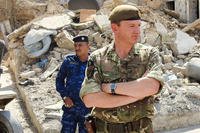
135,50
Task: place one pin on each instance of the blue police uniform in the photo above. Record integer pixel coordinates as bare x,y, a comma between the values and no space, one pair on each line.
68,83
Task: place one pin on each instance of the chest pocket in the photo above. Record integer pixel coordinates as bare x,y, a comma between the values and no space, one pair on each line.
110,71
136,67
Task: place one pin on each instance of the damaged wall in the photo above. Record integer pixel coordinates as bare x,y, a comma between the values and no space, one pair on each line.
187,9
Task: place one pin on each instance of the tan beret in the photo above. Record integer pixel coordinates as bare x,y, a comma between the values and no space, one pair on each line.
124,12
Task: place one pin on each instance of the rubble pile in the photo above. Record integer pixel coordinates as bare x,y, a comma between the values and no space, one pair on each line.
37,49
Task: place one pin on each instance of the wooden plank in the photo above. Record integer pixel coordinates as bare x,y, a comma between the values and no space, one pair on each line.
86,15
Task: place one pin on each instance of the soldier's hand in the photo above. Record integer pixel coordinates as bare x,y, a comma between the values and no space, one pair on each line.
68,102
105,88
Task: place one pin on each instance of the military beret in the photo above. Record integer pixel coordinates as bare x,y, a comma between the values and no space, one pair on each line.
80,38
124,12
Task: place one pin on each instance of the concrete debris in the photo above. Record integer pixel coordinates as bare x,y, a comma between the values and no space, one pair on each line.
54,116
172,13
64,40
26,10
57,106
192,26
102,22
82,26
27,75
54,7
182,42
193,68
18,33
52,67
54,22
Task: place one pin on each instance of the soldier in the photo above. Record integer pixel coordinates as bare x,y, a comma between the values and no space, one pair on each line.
122,77
68,84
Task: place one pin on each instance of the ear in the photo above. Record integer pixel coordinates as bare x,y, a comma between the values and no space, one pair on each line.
114,27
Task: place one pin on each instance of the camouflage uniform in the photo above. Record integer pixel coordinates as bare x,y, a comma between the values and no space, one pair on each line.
104,66
68,83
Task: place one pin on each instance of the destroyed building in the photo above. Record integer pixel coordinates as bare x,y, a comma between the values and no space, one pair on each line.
40,35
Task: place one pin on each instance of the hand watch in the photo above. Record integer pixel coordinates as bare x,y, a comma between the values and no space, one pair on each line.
113,86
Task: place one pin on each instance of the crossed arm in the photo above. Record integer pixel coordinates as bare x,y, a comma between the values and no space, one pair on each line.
127,92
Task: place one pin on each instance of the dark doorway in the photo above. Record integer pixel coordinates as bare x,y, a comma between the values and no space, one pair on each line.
170,5
83,4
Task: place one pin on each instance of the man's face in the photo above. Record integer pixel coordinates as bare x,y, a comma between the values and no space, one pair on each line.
81,48
128,30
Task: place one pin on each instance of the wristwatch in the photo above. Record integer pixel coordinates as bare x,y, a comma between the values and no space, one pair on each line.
113,86
64,98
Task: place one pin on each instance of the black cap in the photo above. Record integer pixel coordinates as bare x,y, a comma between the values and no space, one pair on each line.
124,12
80,38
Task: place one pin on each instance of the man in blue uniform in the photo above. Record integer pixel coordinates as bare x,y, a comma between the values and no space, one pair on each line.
68,84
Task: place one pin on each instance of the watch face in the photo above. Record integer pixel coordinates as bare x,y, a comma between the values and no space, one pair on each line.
113,86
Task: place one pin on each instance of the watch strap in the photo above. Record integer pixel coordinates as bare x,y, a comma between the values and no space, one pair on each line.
113,86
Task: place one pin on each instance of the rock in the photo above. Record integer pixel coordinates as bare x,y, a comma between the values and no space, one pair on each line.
182,42
167,58
193,68
27,75
54,116
56,55
54,107
177,69
48,128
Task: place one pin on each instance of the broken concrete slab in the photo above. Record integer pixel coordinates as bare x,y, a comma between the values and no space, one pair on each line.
16,34
64,40
182,42
54,22
82,26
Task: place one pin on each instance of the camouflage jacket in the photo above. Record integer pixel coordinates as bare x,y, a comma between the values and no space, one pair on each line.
104,66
